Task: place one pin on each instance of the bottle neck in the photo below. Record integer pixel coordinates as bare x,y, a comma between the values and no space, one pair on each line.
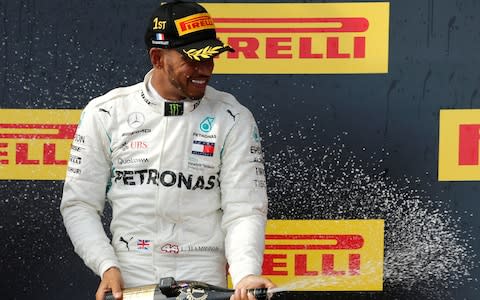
213,292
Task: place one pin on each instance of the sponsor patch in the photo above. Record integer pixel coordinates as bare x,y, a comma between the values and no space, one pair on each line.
144,245
147,130
134,145
194,23
79,139
170,248
166,178
173,109
75,159
206,124
203,148
136,119
132,160
76,148
74,171
199,165
204,136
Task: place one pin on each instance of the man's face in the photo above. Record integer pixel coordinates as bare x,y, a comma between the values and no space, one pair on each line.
186,78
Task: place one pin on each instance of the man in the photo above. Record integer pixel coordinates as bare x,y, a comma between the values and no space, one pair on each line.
180,164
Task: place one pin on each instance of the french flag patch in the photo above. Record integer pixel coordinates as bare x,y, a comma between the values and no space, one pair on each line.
203,148
159,36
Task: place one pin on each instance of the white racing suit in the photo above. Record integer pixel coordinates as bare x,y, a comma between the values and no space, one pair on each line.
185,181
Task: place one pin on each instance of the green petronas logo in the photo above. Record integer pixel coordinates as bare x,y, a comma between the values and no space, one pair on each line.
207,124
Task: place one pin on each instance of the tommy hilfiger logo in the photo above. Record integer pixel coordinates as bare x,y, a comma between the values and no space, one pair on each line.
203,148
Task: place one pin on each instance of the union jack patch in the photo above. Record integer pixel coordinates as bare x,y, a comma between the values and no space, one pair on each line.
144,245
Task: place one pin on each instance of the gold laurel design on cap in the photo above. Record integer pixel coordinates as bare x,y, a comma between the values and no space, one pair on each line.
207,52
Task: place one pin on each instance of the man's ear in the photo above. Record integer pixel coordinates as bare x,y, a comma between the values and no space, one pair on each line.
157,57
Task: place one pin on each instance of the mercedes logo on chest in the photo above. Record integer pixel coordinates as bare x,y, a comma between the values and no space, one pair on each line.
136,119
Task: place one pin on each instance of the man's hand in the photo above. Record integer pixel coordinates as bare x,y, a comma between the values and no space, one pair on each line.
250,282
112,281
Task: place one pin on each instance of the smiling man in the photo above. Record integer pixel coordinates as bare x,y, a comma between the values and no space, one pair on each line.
180,164
182,42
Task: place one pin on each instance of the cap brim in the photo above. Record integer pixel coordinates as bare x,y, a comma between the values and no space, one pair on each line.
204,50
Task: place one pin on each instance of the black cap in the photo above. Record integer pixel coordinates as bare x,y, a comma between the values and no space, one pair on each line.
186,27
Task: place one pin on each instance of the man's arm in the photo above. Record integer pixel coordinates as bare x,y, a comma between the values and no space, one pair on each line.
244,198
84,193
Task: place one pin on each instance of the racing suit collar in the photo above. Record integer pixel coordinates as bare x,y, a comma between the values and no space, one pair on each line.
162,105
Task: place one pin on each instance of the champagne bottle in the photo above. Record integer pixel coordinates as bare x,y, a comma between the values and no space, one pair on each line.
168,288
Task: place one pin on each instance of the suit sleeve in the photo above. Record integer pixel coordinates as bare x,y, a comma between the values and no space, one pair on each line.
84,193
244,198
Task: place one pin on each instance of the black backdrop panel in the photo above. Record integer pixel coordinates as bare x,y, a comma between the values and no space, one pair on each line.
375,136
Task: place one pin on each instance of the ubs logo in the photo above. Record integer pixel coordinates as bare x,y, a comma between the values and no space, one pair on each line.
135,145
136,119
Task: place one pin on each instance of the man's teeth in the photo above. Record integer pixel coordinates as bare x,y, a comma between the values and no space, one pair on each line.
198,81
